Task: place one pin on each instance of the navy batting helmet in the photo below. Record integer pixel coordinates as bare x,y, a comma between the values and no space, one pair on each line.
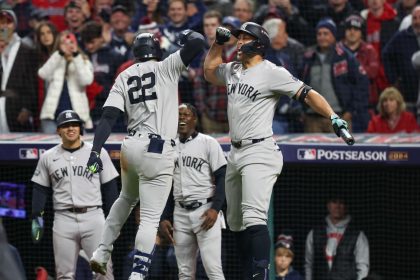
146,46
261,42
68,116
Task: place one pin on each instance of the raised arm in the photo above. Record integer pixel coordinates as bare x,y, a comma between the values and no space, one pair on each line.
214,56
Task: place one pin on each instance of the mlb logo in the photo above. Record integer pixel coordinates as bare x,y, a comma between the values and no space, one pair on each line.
28,153
306,154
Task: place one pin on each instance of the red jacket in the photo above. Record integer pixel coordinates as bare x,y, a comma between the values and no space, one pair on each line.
407,123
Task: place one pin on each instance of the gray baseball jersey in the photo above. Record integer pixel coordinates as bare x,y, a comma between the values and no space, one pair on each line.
252,96
73,185
197,159
143,90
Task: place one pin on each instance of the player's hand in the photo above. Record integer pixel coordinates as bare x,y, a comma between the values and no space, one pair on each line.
210,217
183,36
37,229
338,124
94,163
165,227
222,35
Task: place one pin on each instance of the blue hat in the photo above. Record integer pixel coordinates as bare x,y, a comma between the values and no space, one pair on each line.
232,21
329,24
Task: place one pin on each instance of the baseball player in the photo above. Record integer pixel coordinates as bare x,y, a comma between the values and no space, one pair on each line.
147,93
196,220
76,194
254,86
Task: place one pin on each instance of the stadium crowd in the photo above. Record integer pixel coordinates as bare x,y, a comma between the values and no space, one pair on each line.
58,55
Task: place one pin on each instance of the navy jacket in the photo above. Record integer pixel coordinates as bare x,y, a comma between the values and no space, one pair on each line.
396,57
350,82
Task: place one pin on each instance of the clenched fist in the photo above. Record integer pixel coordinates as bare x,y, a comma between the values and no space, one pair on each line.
222,35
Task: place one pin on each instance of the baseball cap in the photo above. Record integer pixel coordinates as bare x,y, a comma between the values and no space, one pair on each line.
232,21
285,240
38,14
72,4
354,21
9,14
329,24
119,8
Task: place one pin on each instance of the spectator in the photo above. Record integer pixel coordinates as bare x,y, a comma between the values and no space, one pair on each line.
211,100
244,10
297,26
121,36
287,52
336,248
397,56
45,40
105,63
35,19
333,71
381,24
75,18
364,52
179,20
68,71
18,95
283,258
392,117
152,9
404,7
46,36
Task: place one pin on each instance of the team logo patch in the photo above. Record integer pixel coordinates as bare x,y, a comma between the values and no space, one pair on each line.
306,154
28,153
69,115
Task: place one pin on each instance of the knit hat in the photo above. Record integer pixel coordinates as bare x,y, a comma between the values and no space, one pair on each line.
329,24
148,26
9,14
354,21
285,240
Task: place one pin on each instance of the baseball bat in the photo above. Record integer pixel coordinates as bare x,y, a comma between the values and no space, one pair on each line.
346,136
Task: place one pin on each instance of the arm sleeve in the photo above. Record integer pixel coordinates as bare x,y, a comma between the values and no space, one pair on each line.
361,254
219,195
109,193
39,198
102,132
309,256
195,45
168,212
108,166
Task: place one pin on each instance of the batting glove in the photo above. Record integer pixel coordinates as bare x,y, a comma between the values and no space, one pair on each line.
338,124
222,35
183,36
37,229
94,163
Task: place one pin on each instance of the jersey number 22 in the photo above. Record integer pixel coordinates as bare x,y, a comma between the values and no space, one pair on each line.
146,84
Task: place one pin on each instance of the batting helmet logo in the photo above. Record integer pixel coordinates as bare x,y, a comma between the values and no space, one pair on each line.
68,116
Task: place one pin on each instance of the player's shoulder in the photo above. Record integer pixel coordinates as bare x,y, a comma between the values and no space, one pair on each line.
51,152
207,138
272,68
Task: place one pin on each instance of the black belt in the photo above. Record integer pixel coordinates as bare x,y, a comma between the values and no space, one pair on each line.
194,204
239,144
150,135
81,210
